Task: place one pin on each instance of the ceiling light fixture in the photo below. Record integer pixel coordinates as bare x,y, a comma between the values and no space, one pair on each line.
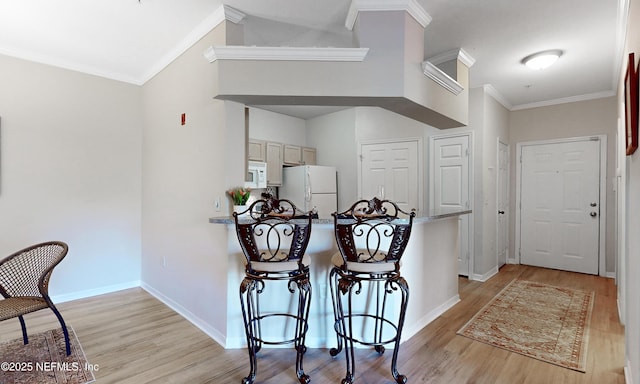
542,60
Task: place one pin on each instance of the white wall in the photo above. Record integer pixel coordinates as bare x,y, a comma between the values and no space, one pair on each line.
185,168
377,124
70,171
488,121
632,218
333,136
495,126
338,136
272,126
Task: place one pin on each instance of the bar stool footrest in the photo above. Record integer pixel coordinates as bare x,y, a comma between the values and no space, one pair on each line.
293,340
378,344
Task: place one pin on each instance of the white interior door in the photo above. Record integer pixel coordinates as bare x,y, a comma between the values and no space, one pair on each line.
503,203
449,187
391,170
560,205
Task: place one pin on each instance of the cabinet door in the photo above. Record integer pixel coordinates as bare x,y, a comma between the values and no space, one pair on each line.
274,163
308,156
256,150
292,154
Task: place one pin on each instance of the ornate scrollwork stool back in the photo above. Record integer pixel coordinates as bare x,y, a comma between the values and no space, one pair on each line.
274,237
371,237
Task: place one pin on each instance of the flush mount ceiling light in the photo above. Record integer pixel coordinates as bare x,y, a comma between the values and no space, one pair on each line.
542,60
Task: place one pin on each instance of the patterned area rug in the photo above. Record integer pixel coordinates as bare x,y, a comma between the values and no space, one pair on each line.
44,360
537,320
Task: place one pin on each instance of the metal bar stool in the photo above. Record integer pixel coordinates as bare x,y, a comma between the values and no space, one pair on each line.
274,238
371,237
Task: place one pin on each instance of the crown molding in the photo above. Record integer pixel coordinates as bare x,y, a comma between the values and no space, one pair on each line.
564,100
411,6
491,91
284,53
231,14
459,54
69,65
222,13
444,80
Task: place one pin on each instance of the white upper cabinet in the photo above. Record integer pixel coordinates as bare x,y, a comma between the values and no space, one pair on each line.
257,150
292,154
309,156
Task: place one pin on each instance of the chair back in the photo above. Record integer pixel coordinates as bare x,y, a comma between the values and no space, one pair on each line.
373,231
273,230
27,272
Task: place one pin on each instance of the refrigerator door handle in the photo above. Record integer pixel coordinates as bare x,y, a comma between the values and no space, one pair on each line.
307,192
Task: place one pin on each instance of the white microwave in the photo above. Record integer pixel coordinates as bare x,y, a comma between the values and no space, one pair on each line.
256,175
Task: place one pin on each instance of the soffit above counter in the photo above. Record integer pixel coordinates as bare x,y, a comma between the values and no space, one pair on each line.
387,70
214,53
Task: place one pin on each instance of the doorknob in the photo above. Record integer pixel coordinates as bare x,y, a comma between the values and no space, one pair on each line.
501,212
593,214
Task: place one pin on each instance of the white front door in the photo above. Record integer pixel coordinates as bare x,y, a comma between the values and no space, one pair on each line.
503,203
560,205
449,187
390,170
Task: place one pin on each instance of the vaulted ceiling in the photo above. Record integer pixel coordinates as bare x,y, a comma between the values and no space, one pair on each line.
132,40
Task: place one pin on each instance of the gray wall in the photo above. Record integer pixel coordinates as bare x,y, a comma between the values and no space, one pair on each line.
70,171
592,117
630,223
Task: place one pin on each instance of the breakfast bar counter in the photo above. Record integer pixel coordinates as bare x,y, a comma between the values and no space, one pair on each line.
430,266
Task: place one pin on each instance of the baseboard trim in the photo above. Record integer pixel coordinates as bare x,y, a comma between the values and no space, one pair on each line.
188,315
486,276
621,318
94,292
628,377
429,317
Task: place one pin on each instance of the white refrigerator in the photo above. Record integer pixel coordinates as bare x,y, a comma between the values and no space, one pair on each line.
311,187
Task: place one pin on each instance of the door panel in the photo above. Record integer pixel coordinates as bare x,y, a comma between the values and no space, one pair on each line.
452,180
503,203
450,187
391,169
560,191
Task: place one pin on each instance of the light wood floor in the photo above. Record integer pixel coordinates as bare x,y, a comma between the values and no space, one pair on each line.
135,339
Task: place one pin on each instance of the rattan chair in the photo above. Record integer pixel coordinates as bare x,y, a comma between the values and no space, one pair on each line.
371,237
274,238
24,283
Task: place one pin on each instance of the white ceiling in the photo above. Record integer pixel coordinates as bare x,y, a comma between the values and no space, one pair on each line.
131,40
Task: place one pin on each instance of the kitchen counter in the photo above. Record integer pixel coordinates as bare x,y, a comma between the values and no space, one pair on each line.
430,266
427,217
